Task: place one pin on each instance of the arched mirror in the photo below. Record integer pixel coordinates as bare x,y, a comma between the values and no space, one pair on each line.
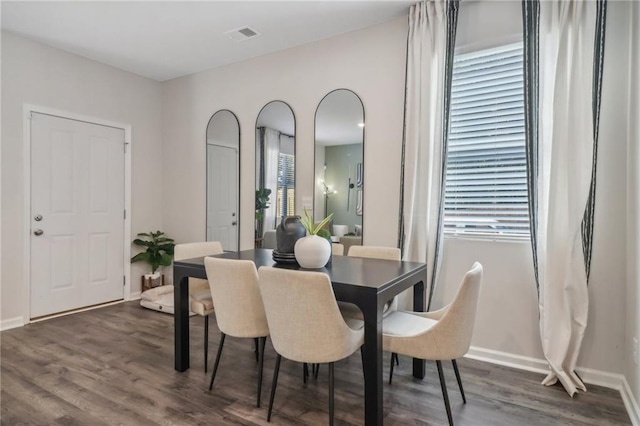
339,165
223,179
275,170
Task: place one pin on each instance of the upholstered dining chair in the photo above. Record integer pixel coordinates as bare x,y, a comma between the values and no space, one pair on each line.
349,310
323,337
439,335
199,293
337,249
238,305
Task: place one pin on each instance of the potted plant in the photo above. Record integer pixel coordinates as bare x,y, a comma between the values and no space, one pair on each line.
262,203
313,251
158,252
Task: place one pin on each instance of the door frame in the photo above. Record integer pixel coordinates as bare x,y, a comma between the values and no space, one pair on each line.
27,109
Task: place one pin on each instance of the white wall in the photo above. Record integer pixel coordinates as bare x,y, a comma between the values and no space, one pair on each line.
632,370
40,75
370,62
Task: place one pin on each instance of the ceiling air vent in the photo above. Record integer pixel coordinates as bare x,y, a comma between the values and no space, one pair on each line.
242,34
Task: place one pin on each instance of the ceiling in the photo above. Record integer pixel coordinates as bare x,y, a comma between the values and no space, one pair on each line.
165,40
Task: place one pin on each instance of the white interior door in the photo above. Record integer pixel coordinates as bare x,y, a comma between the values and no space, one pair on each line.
222,197
77,214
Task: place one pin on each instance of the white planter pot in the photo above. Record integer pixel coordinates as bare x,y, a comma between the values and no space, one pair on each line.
312,251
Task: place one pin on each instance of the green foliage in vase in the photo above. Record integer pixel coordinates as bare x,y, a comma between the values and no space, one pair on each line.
310,226
324,234
158,249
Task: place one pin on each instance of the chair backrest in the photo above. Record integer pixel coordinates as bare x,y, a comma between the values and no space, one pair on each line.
191,250
455,328
337,249
236,297
375,252
304,318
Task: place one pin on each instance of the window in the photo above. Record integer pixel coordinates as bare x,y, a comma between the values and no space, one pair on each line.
486,177
285,194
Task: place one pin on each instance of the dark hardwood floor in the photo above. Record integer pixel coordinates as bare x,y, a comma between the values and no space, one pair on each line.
114,365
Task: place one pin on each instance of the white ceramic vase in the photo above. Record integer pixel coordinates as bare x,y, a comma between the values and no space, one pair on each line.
312,251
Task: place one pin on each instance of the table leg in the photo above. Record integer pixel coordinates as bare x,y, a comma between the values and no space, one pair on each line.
418,306
181,320
372,362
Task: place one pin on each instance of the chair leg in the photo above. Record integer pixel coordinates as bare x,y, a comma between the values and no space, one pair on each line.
263,340
274,383
395,356
331,387
391,368
314,370
455,368
305,372
256,341
443,385
206,342
215,365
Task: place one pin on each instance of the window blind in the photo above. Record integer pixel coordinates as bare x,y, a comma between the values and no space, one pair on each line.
286,185
486,182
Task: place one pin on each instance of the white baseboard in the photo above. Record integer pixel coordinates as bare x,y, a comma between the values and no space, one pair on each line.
588,375
11,323
134,296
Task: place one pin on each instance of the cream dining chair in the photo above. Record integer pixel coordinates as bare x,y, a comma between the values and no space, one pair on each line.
337,249
323,337
439,335
238,305
199,293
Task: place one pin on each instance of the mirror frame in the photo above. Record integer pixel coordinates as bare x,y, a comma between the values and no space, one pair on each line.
295,152
206,174
315,128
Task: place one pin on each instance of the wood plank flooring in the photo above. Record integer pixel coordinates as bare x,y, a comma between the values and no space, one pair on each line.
114,365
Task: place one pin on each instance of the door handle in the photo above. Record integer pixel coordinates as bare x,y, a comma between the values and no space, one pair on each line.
38,232
234,223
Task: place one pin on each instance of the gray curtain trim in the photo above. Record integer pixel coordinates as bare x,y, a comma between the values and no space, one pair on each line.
401,234
452,25
531,31
598,66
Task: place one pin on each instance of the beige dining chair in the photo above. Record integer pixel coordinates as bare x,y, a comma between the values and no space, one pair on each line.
323,337
199,293
439,335
337,249
238,305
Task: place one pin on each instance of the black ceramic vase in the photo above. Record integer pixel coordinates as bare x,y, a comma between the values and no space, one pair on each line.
288,232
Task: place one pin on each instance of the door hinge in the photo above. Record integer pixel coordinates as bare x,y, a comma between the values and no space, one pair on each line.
125,147
125,214
124,280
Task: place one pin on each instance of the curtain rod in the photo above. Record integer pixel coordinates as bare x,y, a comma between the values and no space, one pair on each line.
282,133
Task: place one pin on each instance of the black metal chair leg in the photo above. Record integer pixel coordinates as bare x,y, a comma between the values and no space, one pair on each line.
317,371
206,342
305,372
215,366
274,383
263,340
331,386
395,356
391,368
443,385
256,341
455,368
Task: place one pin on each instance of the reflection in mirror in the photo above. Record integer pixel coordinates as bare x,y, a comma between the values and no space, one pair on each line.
223,155
339,168
275,170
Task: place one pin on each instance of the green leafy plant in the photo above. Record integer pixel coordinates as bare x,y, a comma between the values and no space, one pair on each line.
262,202
159,249
310,226
324,234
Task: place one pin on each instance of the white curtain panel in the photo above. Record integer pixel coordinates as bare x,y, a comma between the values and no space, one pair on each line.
567,34
271,151
423,151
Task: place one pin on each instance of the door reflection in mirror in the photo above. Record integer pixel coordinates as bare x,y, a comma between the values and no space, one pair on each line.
223,179
275,170
339,164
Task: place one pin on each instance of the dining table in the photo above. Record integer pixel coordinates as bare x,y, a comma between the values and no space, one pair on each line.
367,283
